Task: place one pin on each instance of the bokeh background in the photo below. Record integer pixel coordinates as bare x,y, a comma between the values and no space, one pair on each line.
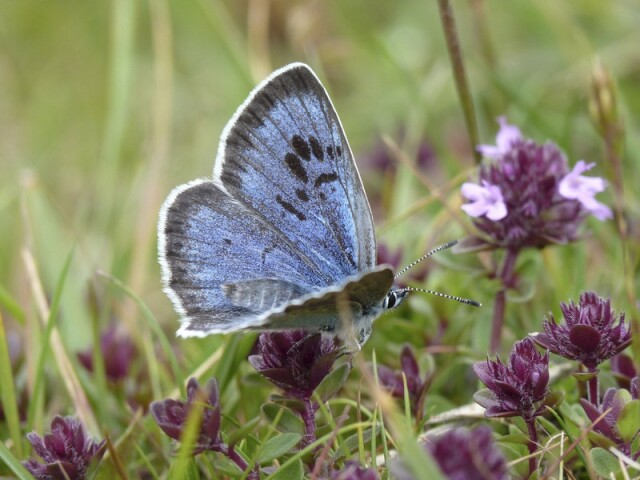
105,106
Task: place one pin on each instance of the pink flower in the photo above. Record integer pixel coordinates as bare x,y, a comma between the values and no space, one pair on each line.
507,136
575,186
486,200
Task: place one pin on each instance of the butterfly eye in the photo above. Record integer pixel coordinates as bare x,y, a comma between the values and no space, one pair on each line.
394,298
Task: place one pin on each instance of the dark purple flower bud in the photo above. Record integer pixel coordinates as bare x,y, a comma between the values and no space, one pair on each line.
67,451
591,333
171,415
295,361
623,369
527,196
392,379
354,471
117,352
517,387
606,426
463,454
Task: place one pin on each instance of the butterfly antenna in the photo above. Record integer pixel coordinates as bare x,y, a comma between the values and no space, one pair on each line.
425,256
443,295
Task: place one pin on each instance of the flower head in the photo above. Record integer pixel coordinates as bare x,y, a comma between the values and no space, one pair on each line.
171,415
67,451
623,369
295,361
517,387
354,471
526,196
576,186
463,454
393,381
117,351
611,407
591,333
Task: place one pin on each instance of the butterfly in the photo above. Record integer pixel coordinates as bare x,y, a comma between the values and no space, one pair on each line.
282,236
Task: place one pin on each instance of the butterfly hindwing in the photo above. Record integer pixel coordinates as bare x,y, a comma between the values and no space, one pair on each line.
286,156
208,240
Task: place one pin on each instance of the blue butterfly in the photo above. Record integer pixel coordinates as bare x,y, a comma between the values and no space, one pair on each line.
282,237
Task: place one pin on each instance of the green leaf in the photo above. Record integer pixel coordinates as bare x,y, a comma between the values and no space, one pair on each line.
277,446
515,438
295,405
14,464
283,418
333,382
294,471
243,431
604,462
629,421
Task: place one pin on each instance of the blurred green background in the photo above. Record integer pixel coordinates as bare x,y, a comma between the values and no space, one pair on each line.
106,106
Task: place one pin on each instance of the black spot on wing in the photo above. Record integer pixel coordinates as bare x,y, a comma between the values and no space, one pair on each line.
301,147
227,241
316,148
295,165
290,208
330,153
325,178
339,150
302,195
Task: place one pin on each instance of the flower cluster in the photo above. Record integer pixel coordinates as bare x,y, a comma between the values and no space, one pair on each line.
463,454
354,471
117,351
591,333
171,415
394,382
605,419
67,451
527,196
295,361
517,388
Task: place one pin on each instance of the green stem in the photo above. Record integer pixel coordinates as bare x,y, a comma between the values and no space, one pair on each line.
459,74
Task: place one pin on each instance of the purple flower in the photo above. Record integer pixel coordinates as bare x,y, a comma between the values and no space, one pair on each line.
393,381
171,415
463,454
591,333
508,136
67,451
486,200
526,196
295,361
623,369
117,351
576,186
613,403
354,471
516,388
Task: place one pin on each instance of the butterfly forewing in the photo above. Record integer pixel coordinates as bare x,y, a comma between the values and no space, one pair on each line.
286,157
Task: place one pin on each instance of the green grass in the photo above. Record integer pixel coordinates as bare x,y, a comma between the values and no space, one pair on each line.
106,106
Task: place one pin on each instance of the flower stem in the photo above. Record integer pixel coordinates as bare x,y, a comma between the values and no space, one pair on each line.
533,443
309,419
235,457
593,387
506,278
462,86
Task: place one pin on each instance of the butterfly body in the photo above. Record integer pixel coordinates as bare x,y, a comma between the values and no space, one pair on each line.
282,236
